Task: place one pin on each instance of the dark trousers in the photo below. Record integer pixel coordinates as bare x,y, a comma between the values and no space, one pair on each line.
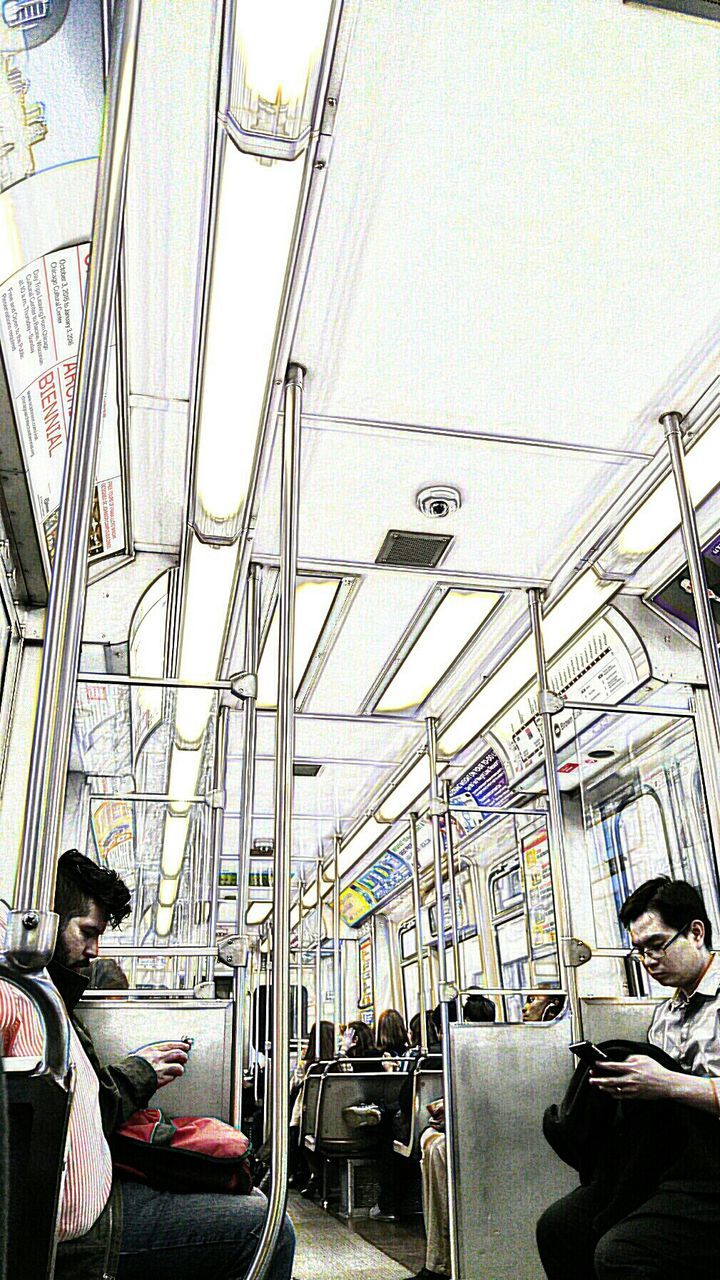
674,1235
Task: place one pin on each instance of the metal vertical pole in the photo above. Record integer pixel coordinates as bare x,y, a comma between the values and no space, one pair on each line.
435,805
671,423
247,798
256,1020
417,908
453,895
66,605
556,834
217,824
337,993
284,753
318,958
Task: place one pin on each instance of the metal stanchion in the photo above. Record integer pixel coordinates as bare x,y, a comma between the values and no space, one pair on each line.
284,754
671,423
318,958
453,894
556,839
337,992
435,805
418,931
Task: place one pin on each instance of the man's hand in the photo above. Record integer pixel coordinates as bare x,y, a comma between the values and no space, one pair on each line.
638,1077
167,1059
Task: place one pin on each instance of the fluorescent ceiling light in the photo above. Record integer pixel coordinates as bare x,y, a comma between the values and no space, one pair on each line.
256,216
573,611
208,594
258,912
314,599
453,624
278,46
659,514
163,921
173,849
184,770
168,891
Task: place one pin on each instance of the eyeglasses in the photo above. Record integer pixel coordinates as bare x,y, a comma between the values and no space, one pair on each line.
655,950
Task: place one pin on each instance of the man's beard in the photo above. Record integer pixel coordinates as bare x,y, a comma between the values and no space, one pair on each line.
61,955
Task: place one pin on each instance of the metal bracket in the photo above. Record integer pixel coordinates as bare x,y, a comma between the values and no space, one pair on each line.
447,991
244,684
30,938
234,951
436,808
575,952
550,702
216,799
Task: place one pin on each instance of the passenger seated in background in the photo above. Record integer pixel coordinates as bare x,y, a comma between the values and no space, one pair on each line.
299,1172
673,1230
542,1008
431,1034
155,1233
433,1166
106,975
392,1038
358,1042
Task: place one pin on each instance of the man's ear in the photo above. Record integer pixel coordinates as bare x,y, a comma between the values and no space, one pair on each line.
697,931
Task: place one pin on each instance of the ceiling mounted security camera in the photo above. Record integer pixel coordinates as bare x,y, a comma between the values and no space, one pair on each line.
438,501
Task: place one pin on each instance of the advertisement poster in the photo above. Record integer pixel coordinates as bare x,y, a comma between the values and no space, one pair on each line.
365,961
484,783
375,885
51,85
541,915
41,310
113,828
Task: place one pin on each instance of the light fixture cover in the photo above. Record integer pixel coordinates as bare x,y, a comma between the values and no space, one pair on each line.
276,66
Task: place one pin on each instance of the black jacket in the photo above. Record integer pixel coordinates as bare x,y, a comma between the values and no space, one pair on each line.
625,1148
126,1086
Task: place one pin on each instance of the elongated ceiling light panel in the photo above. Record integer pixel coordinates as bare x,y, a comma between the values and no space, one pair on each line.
256,216
278,46
453,624
258,912
313,601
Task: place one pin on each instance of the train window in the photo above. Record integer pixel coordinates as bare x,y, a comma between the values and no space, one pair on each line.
408,942
506,888
643,812
514,962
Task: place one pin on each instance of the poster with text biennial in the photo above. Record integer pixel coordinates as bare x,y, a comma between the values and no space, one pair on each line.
41,310
536,856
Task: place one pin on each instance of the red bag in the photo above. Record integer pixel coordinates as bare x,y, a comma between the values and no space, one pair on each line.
185,1154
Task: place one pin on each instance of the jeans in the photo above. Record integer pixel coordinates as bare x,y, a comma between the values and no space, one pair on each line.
208,1237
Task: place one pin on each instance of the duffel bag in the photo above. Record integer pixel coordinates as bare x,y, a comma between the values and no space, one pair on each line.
185,1154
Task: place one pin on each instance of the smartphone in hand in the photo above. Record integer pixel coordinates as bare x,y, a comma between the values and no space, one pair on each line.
588,1053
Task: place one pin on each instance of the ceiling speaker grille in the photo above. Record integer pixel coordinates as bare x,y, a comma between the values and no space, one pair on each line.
410,550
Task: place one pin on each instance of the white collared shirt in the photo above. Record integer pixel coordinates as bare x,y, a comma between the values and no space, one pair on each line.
688,1027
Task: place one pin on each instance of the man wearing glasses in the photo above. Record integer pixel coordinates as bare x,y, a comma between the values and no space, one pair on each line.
676,1231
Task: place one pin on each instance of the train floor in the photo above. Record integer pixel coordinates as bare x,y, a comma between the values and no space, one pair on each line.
329,1248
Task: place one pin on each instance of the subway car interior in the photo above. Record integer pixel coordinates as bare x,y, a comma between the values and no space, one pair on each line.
365,615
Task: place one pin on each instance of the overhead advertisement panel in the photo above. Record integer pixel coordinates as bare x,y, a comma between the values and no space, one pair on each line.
41,309
51,85
483,784
605,665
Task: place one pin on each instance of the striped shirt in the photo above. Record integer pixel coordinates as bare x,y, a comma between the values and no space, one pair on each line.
88,1176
